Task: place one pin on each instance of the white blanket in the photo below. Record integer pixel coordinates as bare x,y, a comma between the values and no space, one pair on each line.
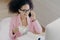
30,36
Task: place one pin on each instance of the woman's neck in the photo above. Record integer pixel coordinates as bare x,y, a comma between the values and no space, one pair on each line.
24,20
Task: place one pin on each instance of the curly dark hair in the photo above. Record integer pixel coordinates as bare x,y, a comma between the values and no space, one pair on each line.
14,5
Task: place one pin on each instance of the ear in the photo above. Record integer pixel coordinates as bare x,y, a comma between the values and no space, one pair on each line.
18,10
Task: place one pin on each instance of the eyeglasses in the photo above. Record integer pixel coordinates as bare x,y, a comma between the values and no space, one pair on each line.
25,10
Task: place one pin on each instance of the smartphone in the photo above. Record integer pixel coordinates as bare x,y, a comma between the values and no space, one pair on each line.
29,14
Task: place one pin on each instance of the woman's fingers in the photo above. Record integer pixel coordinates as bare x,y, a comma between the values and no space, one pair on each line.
33,15
15,30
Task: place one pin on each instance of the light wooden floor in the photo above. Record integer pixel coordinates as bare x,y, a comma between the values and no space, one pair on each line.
4,12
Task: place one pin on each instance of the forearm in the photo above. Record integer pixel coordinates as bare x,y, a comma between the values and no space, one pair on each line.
37,27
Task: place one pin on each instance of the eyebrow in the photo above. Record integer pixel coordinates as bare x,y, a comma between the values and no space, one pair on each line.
24,9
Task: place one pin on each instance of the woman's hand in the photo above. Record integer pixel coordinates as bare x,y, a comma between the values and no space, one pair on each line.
15,30
33,16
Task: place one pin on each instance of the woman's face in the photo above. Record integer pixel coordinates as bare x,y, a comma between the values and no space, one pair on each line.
25,9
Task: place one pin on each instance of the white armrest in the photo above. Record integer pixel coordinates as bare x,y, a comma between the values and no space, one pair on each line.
53,30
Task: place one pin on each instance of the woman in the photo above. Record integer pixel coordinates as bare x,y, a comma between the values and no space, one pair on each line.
25,21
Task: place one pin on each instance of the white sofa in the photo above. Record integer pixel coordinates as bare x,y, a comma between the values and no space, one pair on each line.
53,30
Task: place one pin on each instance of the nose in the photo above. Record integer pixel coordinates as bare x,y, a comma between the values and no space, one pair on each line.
25,11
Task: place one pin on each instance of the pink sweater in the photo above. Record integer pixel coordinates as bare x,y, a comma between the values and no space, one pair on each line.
15,22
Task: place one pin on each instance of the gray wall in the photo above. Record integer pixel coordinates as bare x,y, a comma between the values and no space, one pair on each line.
46,10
